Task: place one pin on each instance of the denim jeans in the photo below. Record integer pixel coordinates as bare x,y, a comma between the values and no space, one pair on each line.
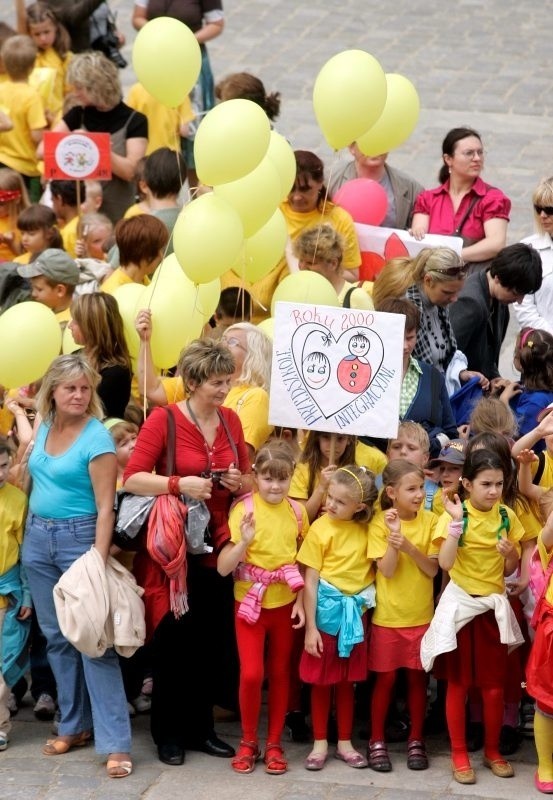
90,690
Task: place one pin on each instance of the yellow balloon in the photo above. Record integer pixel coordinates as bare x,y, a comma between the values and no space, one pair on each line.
207,238
231,140
348,96
31,337
254,197
268,327
68,343
166,58
208,296
263,250
177,316
305,287
398,120
130,299
282,156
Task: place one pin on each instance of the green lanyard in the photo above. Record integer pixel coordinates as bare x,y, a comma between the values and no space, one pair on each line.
505,524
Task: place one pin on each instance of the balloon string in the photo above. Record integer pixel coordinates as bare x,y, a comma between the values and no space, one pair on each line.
325,198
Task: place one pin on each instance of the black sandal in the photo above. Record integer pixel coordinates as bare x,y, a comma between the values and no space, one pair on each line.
416,755
378,757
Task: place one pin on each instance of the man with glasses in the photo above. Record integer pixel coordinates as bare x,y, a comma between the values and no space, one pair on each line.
480,315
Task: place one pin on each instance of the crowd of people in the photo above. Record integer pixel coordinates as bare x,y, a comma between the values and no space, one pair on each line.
351,566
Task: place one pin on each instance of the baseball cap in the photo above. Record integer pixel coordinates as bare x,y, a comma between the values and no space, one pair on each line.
452,453
54,264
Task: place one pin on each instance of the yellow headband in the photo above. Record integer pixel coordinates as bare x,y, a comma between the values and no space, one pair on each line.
353,475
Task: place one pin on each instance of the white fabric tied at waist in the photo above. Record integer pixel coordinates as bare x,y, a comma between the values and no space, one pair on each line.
454,610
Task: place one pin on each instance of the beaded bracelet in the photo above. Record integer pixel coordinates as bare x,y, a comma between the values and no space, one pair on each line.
173,485
455,529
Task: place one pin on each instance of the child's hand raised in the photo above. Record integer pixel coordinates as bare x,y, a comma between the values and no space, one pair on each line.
391,518
454,507
526,457
247,528
326,475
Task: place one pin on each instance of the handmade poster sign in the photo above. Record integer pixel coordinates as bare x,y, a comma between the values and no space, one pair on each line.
337,370
77,156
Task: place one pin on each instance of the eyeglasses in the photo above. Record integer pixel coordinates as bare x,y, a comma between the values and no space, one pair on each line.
472,153
232,341
453,271
547,210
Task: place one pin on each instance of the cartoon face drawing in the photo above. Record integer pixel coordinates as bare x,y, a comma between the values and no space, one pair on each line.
359,345
316,370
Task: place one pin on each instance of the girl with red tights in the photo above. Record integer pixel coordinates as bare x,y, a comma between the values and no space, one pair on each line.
268,592
479,545
400,540
339,588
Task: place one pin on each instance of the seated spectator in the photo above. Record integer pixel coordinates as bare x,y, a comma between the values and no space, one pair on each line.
401,190
481,314
536,310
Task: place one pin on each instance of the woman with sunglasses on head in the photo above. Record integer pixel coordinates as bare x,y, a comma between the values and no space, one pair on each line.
432,281
463,205
306,205
536,310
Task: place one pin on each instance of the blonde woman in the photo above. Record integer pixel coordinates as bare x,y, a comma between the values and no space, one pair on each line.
97,89
536,310
432,281
73,469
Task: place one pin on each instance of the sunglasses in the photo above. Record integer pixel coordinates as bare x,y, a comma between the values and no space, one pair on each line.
547,210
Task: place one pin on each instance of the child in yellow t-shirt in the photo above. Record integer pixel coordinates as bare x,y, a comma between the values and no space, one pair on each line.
268,591
400,540
13,200
479,544
339,588
52,58
165,125
23,105
13,507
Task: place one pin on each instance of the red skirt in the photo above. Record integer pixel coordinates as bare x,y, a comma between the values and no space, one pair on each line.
330,668
392,648
480,658
539,670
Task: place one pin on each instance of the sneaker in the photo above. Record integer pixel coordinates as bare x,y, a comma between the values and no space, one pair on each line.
13,706
3,740
509,740
45,707
142,704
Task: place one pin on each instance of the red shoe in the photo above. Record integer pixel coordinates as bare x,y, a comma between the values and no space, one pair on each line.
275,762
244,760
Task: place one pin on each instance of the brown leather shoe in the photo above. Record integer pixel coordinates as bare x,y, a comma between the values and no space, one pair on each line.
464,774
499,767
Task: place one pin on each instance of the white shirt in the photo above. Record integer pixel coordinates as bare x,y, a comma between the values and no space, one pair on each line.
536,310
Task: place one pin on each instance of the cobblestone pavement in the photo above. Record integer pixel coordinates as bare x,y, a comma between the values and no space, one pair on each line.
484,64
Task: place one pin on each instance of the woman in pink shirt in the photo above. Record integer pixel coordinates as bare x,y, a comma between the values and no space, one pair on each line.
463,205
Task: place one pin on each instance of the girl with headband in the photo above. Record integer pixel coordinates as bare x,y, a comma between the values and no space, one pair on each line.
339,588
400,541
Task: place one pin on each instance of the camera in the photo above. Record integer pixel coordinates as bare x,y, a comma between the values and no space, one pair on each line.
214,474
108,44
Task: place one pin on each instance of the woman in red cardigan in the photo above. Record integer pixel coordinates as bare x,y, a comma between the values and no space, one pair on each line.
210,461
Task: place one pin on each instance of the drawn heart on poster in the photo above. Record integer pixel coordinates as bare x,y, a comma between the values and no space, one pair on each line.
334,371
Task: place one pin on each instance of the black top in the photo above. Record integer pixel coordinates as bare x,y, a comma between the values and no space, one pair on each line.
110,121
114,390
